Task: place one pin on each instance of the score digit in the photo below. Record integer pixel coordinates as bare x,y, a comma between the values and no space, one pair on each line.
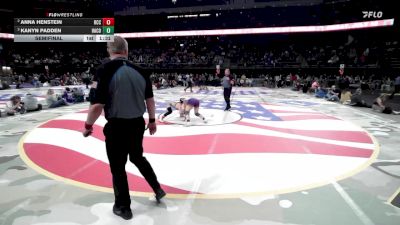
108,21
108,30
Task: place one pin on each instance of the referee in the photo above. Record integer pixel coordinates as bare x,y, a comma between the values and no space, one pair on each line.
124,92
227,83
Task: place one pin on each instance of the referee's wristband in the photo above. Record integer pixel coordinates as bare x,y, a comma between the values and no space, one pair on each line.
152,120
88,126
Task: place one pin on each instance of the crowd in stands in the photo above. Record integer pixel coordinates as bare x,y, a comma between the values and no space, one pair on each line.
51,57
27,80
206,52
71,66
210,51
165,80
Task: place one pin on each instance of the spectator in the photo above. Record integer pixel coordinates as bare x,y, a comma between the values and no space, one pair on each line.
164,82
249,82
31,103
35,81
345,97
356,99
15,106
320,93
54,101
333,94
4,85
379,105
242,80
86,79
68,95
386,85
314,86
396,86
78,95
190,82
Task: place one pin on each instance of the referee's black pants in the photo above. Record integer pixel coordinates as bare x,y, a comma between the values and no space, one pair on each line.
227,97
124,138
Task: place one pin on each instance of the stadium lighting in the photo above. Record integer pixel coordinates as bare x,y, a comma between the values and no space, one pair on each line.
264,30
6,36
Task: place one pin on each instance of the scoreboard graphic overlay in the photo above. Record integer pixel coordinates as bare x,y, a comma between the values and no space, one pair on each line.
52,29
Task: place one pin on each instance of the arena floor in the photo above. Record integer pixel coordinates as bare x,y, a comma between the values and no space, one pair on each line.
278,157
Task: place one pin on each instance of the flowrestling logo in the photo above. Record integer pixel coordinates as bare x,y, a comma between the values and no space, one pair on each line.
372,14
